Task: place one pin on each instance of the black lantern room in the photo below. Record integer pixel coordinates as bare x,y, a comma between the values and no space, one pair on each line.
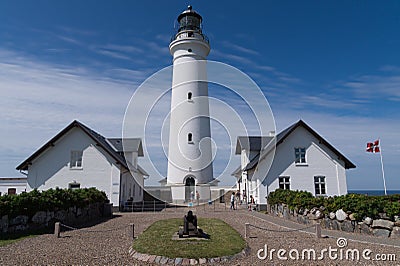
189,25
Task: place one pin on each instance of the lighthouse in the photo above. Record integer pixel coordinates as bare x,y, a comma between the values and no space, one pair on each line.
190,169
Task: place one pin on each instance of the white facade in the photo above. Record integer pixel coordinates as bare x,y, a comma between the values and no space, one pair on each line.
99,166
323,173
189,154
9,185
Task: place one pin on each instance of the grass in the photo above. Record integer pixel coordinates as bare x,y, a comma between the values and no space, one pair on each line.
8,239
157,240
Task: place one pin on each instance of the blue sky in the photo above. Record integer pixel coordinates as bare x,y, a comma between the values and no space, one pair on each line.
336,65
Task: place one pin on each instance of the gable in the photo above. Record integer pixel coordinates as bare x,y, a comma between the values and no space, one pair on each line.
288,133
97,138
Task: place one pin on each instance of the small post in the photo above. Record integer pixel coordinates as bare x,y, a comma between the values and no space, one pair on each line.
246,228
154,206
132,230
57,229
318,230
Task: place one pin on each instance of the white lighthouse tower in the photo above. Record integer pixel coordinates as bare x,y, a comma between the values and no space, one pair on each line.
190,170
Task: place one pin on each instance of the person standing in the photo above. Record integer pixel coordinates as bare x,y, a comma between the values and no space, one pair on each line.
252,202
238,200
233,201
191,196
198,198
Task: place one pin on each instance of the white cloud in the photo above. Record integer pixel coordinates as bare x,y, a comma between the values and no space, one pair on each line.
385,85
239,48
38,99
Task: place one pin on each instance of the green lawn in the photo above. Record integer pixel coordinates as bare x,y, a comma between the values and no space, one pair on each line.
10,240
14,237
157,240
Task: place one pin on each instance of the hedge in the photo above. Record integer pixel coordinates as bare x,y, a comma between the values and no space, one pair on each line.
48,200
361,205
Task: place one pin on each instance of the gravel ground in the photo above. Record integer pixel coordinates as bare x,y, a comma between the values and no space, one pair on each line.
110,247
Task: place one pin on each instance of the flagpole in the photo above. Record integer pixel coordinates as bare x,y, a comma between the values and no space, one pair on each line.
383,172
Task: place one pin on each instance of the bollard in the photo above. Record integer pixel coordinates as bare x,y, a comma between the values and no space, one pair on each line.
132,230
246,228
318,230
57,229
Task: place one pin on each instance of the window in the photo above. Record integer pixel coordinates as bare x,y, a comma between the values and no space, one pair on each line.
300,155
74,185
320,186
190,137
190,96
284,182
76,159
134,190
12,191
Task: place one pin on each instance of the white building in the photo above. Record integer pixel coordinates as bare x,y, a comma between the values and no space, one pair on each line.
303,161
79,157
190,168
12,185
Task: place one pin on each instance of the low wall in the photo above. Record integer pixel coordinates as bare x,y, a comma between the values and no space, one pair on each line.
46,219
340,220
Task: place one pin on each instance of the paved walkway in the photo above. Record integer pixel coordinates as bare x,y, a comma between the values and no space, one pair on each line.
109,242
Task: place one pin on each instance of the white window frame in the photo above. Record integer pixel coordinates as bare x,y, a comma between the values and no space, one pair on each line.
298,158
282,181
320,185
74,185
76,159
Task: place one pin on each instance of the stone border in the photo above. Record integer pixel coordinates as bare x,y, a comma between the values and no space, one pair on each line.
185,261
340,221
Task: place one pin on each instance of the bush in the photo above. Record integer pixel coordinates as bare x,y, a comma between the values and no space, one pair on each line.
361,205
48,200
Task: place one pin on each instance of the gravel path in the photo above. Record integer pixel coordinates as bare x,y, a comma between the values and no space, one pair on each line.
81,247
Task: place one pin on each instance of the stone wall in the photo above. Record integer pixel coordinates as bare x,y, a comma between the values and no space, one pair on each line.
340,220
73,216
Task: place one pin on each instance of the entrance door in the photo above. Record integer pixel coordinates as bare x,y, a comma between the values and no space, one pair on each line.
189,189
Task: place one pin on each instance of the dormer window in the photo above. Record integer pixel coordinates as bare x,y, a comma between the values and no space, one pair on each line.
189,96
76,159
300,155
190,138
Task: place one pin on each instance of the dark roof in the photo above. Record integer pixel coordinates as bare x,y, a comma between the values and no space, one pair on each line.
98,138
189,12
130,144
285,133
251,143
12,178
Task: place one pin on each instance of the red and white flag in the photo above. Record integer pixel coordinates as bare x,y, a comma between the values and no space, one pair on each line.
373,146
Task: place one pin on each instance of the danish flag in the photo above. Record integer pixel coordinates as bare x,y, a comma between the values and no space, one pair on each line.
373,146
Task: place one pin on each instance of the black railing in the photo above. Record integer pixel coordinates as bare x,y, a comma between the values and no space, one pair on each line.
190,34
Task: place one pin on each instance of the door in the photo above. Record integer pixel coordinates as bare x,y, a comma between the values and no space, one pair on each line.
189,189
